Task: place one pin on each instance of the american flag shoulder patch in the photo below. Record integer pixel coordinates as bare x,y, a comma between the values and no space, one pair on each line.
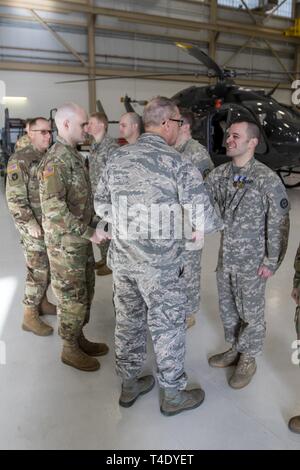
49,171
13,167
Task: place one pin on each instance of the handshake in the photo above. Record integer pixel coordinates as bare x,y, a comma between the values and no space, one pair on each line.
102,232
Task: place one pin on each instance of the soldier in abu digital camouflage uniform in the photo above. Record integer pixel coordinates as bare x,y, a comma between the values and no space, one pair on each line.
254,206
67,208
22,193
147,263
199,156
294,423
100,150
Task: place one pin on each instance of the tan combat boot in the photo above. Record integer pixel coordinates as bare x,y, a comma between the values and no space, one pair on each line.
90,348
99,264
132,389
73,356
176,401
103,270
46,308
244,372
294,424
225,359
33,323
190,321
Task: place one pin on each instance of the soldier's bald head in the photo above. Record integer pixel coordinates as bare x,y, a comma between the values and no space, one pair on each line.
71,122
66,112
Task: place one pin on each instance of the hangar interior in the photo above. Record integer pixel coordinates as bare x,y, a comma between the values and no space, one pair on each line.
46,405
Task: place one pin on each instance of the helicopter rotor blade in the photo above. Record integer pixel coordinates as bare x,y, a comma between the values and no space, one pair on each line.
197,53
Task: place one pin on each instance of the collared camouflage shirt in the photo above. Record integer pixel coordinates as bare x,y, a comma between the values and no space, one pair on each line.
138,181
98,158
254,207
22,187
66,196
198,155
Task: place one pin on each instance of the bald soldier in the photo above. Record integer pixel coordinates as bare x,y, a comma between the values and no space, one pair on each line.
22,193
254,206
148,266
100,150
197,154
67,208
130,126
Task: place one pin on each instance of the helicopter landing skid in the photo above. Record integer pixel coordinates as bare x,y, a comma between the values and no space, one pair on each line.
285,176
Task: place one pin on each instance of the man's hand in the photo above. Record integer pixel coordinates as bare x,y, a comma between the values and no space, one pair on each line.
296,295
100,236
264,272
35,231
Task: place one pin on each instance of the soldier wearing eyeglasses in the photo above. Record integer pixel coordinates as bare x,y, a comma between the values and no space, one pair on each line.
148,264
22,192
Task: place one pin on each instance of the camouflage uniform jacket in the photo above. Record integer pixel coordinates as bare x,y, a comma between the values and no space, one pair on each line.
66,196
98,158
198,155
22,142
149,174
297,269
254,206
22,188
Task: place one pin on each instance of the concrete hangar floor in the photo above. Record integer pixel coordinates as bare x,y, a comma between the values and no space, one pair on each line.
45,404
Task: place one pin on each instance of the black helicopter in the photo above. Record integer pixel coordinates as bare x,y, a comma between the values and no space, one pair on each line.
216,106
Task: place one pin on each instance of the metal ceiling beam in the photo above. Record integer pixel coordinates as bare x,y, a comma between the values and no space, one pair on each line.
254,20
101,28
142,18
57,37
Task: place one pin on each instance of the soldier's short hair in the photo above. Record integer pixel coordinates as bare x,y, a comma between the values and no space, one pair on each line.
188,117
32,122
159,109
101,117
66,111
135,118
253,131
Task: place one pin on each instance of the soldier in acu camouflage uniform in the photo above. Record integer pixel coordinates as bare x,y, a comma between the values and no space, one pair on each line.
148,268
294,423
254,206
100,150
192,150
22,192
67,209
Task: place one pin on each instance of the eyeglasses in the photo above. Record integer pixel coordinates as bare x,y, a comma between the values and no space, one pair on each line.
180,121
42,131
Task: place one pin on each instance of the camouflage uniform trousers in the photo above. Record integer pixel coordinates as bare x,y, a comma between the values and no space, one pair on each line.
155,297
192,274
242,303
73,281
38,271
103,247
